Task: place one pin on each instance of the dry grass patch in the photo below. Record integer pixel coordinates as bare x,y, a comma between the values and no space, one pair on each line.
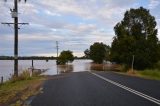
17,90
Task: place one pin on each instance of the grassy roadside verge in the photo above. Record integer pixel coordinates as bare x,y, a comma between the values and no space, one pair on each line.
123,69
14,93
150,74
147,74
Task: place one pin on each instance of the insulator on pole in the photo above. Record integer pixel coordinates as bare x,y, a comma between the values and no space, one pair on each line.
24,1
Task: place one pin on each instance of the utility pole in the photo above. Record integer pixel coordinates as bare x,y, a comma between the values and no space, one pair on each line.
57,47
14,13
16,38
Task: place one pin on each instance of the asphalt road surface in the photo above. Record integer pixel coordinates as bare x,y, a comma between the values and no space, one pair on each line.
98,89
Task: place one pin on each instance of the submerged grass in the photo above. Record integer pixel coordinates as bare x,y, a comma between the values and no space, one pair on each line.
17,90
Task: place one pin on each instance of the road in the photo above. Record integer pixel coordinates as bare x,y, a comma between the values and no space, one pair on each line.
98,89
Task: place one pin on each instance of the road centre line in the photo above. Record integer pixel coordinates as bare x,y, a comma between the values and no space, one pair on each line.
129,89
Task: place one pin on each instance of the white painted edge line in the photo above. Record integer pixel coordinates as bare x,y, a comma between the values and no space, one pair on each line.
129,89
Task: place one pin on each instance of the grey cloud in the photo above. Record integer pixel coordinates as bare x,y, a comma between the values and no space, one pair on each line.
48,24
153,4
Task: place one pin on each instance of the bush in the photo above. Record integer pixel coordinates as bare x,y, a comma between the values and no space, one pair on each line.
65,57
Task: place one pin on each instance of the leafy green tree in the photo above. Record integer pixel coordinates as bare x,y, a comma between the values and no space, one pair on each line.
136,35
65,57
97,52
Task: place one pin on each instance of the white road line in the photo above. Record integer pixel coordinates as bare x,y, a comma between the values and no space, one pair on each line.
129,89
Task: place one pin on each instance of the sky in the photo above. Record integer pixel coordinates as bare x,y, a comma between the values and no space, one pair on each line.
75,24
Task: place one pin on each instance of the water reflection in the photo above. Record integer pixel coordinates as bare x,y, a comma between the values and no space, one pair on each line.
103,67
76,66
65,68
6,67
97,67
87,66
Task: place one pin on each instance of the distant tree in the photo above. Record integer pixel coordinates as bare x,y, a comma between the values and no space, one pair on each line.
97,52
75,57
136,35
87,53
107,55
65,57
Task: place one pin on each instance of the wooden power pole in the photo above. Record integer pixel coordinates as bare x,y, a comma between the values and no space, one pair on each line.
14,13
57,47
15,38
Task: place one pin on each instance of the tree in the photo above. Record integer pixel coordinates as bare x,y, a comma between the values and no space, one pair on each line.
87,53
65,57
97,52
136,35
107,54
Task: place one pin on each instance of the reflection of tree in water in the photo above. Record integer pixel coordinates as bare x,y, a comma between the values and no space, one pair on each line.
97,67
65,68
104,67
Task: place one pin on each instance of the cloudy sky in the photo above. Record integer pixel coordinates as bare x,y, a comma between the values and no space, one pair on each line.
75,24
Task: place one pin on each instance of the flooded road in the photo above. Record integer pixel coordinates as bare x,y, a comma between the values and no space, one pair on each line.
6,67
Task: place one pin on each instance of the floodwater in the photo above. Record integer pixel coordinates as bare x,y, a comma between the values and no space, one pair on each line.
7,67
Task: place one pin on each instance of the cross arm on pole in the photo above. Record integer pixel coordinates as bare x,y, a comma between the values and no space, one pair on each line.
15,23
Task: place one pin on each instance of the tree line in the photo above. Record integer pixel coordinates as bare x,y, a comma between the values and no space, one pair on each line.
135,35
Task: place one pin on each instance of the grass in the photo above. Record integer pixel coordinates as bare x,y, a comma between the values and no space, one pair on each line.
123,69
17,90
147,74
151,74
